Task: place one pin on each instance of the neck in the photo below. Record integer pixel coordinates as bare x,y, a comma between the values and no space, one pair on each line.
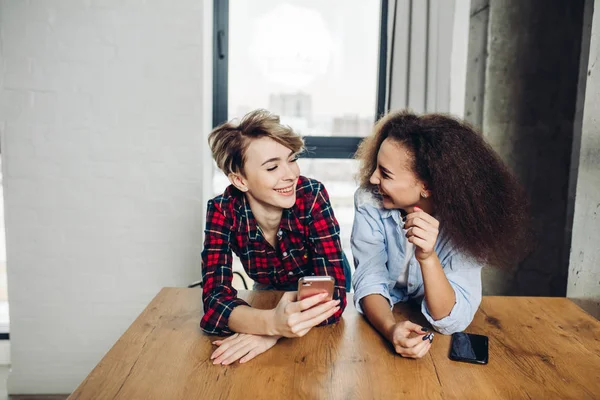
426,205
267,216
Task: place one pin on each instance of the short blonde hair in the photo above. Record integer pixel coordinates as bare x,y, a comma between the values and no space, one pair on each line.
229,141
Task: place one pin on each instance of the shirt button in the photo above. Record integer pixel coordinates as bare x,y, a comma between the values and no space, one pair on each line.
285,253
279,233
290,273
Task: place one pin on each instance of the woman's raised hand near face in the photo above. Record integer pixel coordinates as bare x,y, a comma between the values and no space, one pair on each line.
295,318
422,231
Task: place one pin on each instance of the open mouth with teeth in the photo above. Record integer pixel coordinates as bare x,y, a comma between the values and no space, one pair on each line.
286,191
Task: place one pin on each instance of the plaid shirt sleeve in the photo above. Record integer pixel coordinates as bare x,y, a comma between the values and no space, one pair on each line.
218,295
324,236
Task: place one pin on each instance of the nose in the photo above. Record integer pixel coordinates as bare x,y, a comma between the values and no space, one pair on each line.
289,173
374,179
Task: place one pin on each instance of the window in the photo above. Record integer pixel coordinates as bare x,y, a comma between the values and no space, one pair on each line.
317,65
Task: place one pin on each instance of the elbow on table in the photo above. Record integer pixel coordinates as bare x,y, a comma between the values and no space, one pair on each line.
458,320
459,326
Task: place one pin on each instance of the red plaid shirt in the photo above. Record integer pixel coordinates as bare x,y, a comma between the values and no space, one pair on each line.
309,244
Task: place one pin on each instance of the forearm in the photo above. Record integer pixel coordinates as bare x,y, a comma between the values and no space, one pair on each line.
439,294
377,310
245,319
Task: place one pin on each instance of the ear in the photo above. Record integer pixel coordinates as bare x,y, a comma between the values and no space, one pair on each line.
425,193
238,181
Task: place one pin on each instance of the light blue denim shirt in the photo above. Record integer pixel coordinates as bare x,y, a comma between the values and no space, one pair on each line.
378,248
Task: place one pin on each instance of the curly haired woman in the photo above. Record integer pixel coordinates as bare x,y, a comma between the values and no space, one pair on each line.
435,204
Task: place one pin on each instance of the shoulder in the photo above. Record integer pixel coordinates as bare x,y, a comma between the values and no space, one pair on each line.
311,197
309,191
227,202
308,187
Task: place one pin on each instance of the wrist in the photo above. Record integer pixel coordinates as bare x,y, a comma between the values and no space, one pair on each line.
431,261
388,330
269,323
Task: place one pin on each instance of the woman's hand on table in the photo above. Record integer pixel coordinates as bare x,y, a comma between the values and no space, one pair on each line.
402,336
241,346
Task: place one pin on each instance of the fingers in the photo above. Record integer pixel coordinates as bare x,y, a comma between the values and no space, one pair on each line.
411,326
245,349
416,351
305,325
226,349
421,243
429,224
408,343
251,354
289,297
219,342
236,354
234,351
317,310
424,350
305,304
420,233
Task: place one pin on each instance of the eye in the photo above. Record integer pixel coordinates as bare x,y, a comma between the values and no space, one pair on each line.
384,175
273,168
294,158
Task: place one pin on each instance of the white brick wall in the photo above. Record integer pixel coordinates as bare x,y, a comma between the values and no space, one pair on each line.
104,111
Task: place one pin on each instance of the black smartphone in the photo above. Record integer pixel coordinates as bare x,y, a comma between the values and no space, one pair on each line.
468,347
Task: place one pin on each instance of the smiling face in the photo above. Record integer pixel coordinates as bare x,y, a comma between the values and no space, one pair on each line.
397,182
270,175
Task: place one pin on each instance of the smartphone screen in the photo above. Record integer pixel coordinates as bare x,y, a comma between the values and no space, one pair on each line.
468,347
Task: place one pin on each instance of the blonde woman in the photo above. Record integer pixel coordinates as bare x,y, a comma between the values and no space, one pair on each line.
281,226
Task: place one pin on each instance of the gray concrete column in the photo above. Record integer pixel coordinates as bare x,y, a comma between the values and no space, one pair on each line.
584,269
530,96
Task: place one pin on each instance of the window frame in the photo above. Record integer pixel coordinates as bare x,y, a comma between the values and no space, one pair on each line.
332,147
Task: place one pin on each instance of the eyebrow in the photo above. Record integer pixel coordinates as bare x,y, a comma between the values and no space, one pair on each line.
387,171
276,158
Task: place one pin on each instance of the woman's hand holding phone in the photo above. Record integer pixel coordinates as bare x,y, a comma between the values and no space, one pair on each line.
402,336
241,346
293,318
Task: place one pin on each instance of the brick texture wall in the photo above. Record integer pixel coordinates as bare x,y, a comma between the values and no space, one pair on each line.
103,117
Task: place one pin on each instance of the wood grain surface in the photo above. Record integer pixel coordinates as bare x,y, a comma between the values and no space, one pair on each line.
539,348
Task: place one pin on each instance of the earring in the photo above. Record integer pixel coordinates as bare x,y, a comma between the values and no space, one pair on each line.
424,195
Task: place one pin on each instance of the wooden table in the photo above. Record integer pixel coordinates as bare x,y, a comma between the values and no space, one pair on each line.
540,348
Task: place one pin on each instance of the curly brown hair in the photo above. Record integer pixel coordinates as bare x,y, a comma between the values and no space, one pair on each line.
479,203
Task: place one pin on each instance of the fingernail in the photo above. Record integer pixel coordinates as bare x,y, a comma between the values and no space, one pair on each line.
417,208
424,329
426,337
404,218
